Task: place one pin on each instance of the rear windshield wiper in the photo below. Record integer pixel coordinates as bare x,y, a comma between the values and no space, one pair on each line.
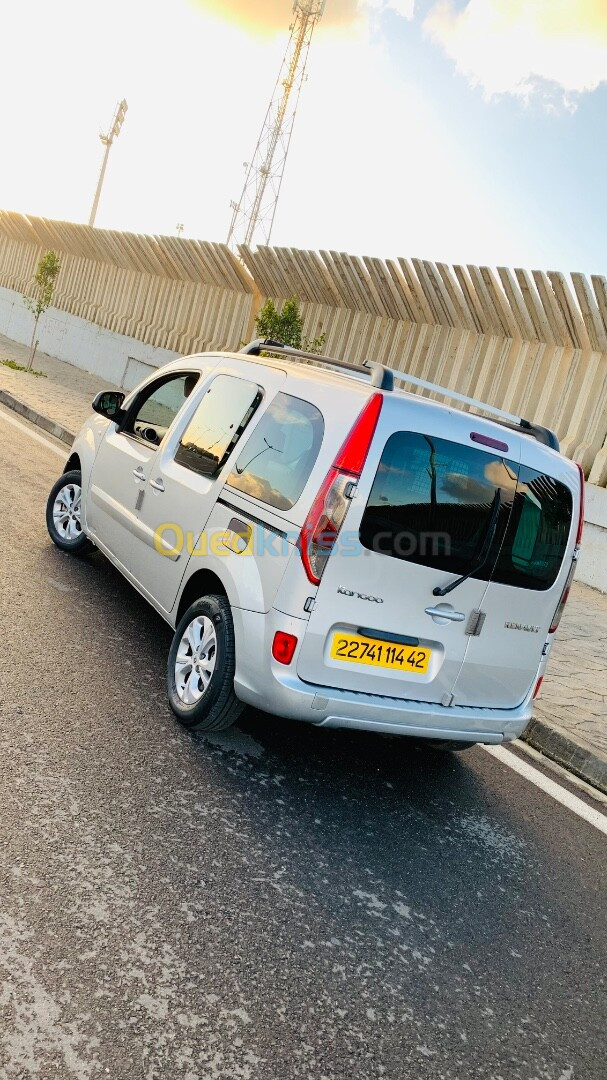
483,554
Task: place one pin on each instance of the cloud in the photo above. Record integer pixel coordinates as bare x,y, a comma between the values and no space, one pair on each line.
522,47
405,8
268,16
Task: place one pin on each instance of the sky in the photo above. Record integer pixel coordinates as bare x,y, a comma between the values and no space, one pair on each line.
470,131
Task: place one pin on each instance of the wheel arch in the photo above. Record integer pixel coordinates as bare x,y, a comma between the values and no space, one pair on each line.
82,456
73,462
203,582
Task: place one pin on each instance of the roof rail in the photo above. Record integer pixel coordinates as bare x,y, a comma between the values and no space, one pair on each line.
380,375
383,377
509,420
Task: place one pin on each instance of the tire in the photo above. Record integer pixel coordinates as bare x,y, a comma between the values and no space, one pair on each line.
203,697
448,746
63,514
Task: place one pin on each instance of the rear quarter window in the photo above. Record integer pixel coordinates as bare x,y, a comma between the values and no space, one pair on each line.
278,458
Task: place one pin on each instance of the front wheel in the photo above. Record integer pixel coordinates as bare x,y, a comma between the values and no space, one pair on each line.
201,665
64,514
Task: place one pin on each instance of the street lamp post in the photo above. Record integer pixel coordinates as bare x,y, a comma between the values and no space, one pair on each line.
107,141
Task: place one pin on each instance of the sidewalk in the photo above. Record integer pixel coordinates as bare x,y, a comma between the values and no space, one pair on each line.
570,722
64,397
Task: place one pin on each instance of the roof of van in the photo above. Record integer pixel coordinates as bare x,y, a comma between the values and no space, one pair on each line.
533,452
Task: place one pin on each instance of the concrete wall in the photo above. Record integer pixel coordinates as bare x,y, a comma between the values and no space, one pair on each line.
116,358
181,295
592,569
533,343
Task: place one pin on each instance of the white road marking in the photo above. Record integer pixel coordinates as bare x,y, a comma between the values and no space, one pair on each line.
34,435
560,770
550,787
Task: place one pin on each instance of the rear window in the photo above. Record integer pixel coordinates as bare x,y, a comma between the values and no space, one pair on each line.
537,532
277,460
433,502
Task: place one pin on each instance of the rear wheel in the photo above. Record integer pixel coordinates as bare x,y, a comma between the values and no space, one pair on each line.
201,664
64,514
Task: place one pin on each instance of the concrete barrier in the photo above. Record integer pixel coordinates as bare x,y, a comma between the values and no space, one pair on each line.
592,569
116,358
533,343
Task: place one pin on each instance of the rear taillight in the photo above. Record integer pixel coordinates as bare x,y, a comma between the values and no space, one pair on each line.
353,454
569,582
564,598
538,686
327,514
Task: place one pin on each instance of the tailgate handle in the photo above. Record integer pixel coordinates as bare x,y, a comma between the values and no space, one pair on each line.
445,613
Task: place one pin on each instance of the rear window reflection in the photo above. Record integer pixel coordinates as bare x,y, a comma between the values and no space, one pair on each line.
432,502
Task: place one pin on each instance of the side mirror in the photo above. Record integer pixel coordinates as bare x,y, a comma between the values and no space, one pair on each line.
108,403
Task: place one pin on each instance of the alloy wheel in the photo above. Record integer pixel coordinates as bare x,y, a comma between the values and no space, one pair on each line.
195,660
67,512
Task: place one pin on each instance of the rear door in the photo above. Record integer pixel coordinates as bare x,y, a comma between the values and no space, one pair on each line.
528,577
422,512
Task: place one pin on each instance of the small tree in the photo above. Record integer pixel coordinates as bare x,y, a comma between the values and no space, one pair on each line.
286,326
44,281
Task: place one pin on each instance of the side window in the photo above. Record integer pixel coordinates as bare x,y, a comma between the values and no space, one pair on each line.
155,411
217,424
278,458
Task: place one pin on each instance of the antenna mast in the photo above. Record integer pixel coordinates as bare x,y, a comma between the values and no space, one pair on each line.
253,216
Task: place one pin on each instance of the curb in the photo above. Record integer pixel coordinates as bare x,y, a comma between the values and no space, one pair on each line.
573,753
37,418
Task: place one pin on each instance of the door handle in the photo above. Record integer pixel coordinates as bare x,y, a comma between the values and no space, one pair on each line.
159,486
138,473
445,613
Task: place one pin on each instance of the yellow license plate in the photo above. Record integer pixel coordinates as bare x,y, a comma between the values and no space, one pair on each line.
356,649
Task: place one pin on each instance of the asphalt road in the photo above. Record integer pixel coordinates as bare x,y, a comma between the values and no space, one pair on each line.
272,904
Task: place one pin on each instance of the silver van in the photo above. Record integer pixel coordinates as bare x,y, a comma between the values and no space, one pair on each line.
329,547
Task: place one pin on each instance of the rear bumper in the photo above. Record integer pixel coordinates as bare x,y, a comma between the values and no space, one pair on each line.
262,682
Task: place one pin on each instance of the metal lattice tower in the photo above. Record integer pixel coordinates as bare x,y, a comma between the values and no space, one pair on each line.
253,216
